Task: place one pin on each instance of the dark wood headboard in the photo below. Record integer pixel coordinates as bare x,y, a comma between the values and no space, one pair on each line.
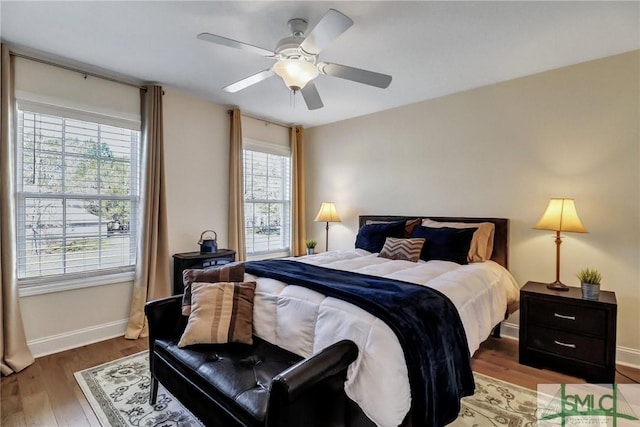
500,239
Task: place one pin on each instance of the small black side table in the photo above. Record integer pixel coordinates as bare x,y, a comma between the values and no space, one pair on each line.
569,334
186,260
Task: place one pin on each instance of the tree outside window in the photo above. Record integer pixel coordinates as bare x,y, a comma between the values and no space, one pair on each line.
77,189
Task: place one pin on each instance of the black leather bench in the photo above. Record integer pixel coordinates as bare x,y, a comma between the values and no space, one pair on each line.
247,385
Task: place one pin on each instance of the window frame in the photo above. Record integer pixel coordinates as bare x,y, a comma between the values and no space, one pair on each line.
270,148
43,284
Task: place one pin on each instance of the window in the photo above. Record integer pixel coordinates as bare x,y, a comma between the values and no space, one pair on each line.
77,195
267,198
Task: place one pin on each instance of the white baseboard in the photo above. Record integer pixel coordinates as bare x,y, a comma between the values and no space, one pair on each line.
624,355
73,339
509,330
628,357
56,343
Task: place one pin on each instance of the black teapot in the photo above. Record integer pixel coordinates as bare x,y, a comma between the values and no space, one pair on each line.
208,244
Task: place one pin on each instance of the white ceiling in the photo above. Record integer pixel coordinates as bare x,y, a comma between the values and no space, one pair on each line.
430,48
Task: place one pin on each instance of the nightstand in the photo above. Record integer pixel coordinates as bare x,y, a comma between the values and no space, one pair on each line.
185,260
569,334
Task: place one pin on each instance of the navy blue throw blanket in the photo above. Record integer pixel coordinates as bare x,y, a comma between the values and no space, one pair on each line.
426,323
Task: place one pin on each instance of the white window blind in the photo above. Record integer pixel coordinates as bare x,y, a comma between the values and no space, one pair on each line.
78,194
267,197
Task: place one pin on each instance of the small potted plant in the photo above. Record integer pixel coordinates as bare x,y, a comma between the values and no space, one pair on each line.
590,283
311,246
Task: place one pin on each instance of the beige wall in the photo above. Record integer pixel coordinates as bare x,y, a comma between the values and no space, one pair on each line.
197,166
196,160
504,150
58,321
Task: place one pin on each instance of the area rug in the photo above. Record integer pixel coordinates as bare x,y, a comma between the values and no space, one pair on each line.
498,403
118,393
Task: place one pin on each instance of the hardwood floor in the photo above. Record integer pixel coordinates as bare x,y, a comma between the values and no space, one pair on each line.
46,393
498,358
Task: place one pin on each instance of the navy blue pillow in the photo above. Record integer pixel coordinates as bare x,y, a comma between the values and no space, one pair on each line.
446,244
371,237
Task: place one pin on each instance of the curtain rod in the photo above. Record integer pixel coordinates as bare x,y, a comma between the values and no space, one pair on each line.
262,120
76,70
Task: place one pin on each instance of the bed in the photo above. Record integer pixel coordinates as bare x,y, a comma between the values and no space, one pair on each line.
304,319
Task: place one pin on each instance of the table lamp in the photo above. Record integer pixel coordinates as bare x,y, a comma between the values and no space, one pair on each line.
560,216
327,214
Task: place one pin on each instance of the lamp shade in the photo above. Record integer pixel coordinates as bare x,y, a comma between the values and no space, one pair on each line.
296,73
327,213
561,215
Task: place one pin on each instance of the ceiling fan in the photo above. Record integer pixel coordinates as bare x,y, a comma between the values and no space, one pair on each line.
297,58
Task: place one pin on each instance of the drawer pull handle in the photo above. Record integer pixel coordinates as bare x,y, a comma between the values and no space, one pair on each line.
562,316
564,344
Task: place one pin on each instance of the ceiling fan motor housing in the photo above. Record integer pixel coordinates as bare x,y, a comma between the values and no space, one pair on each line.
288,47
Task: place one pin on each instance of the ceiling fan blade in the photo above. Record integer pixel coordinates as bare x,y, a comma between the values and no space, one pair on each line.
248,81
355,74
311,96
235,44
330,27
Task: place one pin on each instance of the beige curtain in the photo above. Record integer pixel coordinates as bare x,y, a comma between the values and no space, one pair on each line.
152,279
298,213
14,351
236,187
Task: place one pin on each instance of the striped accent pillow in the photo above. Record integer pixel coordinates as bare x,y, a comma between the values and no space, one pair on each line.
226,273
402,249
221,312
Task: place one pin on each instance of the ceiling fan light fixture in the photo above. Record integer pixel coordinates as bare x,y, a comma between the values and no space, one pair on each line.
296,73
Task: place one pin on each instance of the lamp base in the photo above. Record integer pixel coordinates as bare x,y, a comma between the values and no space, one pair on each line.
558,286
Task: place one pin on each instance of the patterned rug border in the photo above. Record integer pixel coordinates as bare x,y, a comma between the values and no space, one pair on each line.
107,414
524,390
508,404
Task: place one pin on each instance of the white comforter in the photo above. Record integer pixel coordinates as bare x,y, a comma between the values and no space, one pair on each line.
304,321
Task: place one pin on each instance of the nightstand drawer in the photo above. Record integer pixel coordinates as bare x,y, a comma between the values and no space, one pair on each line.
566,344
568,317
